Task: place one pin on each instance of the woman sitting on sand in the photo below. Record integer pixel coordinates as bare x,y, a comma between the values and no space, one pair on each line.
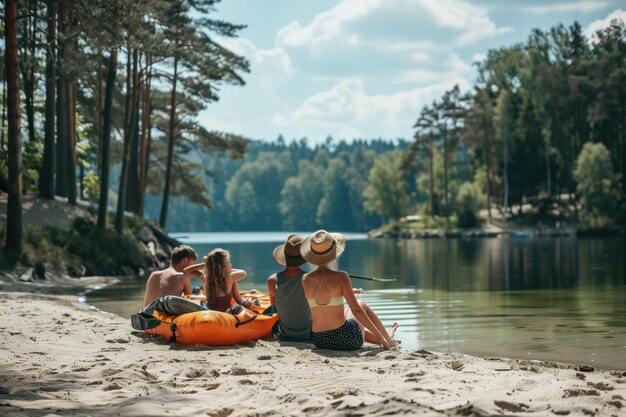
326,288
219,279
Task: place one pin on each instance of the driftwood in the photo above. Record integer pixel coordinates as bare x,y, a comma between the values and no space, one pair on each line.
163,237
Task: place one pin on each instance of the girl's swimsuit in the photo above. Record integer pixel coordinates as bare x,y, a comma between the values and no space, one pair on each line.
346,337
221,303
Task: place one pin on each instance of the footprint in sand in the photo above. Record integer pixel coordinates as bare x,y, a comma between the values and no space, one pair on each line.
118,340
112,387
210,387
238,371
602,386
195,373
110,372
509,406
578,392
224,412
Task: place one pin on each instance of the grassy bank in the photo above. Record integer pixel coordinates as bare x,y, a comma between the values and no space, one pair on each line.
82,250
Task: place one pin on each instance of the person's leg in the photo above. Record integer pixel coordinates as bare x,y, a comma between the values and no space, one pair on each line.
350,316
369,336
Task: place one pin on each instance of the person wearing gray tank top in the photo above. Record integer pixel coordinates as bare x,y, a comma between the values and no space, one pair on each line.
287,294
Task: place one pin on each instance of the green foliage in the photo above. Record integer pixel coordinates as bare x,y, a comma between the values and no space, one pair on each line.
534,105
467,205
91,184
264,177
385,191
596,187
300,197
84,249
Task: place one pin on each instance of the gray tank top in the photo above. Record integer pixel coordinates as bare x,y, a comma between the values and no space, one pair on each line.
294,315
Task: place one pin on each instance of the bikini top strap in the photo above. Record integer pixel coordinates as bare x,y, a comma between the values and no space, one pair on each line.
319,288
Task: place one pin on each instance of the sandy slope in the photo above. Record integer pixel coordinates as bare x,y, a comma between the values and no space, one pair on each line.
64,358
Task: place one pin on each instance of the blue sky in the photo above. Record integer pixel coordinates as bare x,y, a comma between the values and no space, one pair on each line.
365,68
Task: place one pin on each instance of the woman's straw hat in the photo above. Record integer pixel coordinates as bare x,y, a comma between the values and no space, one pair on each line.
289,253
322,247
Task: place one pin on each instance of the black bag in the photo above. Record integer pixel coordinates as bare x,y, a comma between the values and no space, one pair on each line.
143,321
170,305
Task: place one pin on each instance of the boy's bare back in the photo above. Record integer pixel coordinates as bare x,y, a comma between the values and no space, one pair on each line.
166,282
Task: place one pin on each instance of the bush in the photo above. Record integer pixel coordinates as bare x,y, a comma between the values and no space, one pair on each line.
466,206
597,187
85,249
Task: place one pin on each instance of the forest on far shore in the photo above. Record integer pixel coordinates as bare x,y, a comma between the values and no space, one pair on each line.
100,102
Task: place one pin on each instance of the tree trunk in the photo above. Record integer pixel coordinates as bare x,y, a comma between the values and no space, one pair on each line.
4,113
431,155
70,103
100,111
28,67
132,184
103,201
170,148
548,173
144,153
62,176
128,136
46,176
61,148
445,178
14,204
506,178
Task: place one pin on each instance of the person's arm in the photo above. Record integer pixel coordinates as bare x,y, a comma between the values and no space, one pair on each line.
147,297
186,284
346,288
237,275
271,288
236,294
195,271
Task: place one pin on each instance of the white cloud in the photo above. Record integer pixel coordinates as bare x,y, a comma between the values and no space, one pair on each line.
327,25
347,108
473,21
584,6
479,57
279,120
593,27
354,21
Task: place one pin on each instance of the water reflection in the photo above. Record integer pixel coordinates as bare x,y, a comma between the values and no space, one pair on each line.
550,299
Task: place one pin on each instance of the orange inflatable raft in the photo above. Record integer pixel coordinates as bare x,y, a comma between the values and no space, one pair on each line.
215,328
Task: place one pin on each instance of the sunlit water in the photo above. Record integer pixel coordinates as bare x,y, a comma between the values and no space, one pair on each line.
547,298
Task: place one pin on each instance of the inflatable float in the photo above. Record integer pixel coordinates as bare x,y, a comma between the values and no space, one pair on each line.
215,328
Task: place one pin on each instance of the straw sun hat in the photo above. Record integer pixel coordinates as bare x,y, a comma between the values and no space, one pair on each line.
322,247
289,253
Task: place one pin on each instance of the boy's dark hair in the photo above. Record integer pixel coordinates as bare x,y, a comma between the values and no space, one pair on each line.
182,252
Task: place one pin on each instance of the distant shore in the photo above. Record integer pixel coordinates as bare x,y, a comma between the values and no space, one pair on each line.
63,357
493,232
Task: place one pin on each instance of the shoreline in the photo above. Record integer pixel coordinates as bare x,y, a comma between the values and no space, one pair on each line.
64,356
523,233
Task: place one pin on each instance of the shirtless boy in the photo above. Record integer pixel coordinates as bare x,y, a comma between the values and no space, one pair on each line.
171,281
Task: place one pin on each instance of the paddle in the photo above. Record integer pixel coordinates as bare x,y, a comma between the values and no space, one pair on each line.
372,278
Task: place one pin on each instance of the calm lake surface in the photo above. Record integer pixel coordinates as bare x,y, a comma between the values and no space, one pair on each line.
558,299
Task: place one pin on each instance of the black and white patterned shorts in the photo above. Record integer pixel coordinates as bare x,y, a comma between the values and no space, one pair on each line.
346,337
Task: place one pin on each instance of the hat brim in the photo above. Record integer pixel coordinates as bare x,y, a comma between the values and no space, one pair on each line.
330,255
285,260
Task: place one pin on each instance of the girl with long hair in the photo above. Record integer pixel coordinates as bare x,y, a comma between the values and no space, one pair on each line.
219,279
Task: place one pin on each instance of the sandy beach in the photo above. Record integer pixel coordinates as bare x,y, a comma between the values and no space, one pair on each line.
61,357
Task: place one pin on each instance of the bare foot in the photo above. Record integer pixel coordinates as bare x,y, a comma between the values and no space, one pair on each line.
392,329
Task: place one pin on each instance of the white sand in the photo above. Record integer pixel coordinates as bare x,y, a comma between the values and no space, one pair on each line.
59,357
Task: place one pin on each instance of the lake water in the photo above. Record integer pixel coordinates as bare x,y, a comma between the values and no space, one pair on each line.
558,299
